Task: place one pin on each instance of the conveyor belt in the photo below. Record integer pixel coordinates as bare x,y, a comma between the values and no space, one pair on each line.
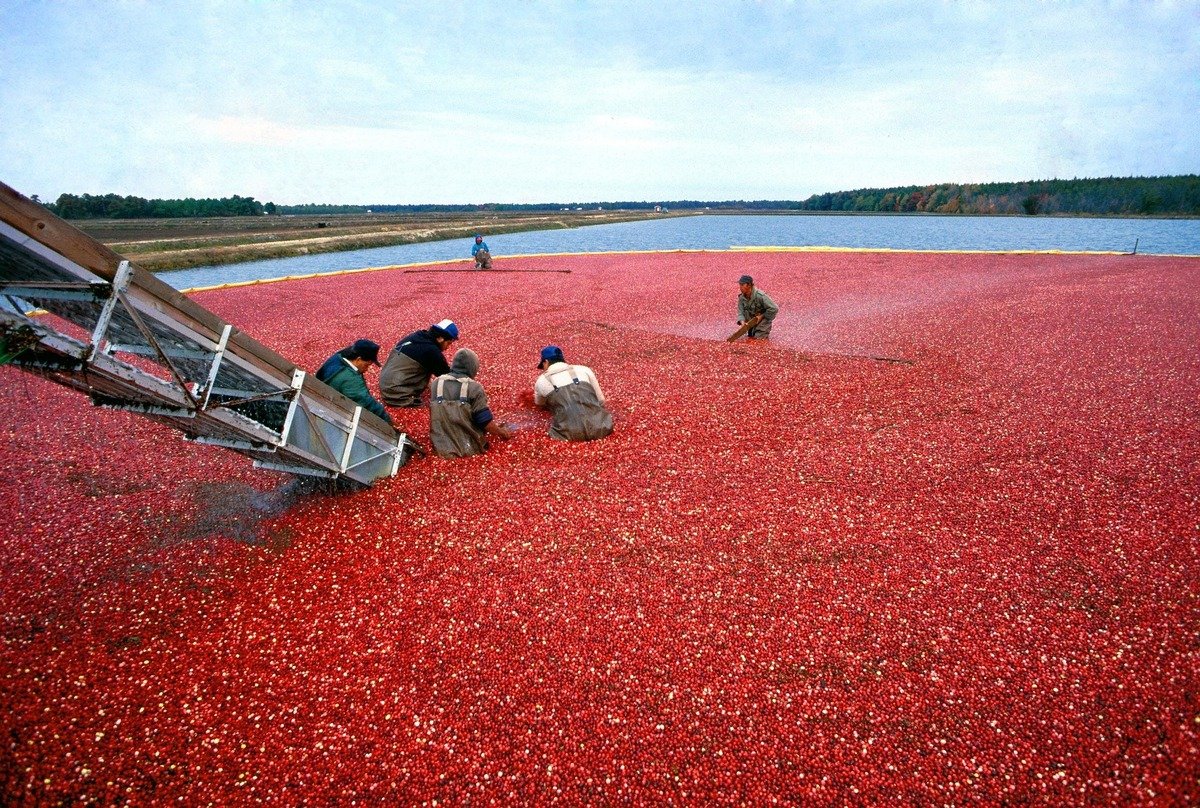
129,341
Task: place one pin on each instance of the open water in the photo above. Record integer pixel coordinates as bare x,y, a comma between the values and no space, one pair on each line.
721,232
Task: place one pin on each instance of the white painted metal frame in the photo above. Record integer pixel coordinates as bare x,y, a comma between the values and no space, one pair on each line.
322,434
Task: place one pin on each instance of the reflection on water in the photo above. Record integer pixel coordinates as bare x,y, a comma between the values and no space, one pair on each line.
716,232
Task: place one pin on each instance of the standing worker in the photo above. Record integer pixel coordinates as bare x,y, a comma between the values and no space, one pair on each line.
754,305
345,372
414,359
459,417
483,256
572,393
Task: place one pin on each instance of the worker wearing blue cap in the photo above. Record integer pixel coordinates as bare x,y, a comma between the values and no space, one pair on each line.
572,393
345,372
413,361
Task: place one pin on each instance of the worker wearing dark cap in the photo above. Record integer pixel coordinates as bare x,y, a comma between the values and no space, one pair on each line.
754,303
483,256
572,393
413,361
345,372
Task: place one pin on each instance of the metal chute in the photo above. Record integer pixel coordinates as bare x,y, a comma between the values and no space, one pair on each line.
129,341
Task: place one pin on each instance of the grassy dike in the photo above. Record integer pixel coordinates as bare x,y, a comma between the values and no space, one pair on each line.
165,244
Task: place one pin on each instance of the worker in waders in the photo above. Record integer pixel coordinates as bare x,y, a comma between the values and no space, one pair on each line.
459,417
483,256
414,359
754,303
572,393
345,372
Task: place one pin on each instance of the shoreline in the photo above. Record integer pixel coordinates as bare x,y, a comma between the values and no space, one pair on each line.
188,244
164,245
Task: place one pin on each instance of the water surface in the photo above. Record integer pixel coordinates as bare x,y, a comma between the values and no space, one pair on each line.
721,232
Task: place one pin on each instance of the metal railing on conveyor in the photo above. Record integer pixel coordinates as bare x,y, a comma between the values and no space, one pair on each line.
131,342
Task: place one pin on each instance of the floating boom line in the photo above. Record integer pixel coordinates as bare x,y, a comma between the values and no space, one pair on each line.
484,271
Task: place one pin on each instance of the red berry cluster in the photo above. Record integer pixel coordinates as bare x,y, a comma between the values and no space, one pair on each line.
935,543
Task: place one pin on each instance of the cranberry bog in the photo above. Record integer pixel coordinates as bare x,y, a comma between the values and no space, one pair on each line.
936,542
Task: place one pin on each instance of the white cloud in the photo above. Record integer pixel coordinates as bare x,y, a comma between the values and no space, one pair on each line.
359,74
352,101
228,129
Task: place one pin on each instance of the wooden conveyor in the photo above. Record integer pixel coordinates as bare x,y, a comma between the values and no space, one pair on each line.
131,342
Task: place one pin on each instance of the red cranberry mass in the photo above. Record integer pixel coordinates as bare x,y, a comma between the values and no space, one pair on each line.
935,542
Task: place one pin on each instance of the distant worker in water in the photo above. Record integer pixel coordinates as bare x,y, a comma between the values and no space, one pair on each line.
345,372
483,256
459,417
414,359
572,393
755,309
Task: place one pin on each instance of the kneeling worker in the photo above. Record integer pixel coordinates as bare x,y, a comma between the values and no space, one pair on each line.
344,372
459,417
483,256
572,393
754,306
414,359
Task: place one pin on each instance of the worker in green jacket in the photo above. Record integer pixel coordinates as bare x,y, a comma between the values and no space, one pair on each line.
345,372
754,306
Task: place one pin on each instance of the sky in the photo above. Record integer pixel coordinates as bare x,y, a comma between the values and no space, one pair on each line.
357,102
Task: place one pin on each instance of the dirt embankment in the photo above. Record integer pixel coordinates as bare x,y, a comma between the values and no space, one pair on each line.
160,244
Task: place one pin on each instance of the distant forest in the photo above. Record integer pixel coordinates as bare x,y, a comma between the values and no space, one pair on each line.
1123,196
112,206
1107,196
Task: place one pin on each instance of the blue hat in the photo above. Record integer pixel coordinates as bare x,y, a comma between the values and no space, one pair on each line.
445,329
746,279
551,353
365,349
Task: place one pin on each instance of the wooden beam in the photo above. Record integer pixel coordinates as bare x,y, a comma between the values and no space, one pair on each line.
41,225
33,220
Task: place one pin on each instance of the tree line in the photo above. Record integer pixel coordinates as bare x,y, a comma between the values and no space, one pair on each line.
113,206
1122,196
1119,196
